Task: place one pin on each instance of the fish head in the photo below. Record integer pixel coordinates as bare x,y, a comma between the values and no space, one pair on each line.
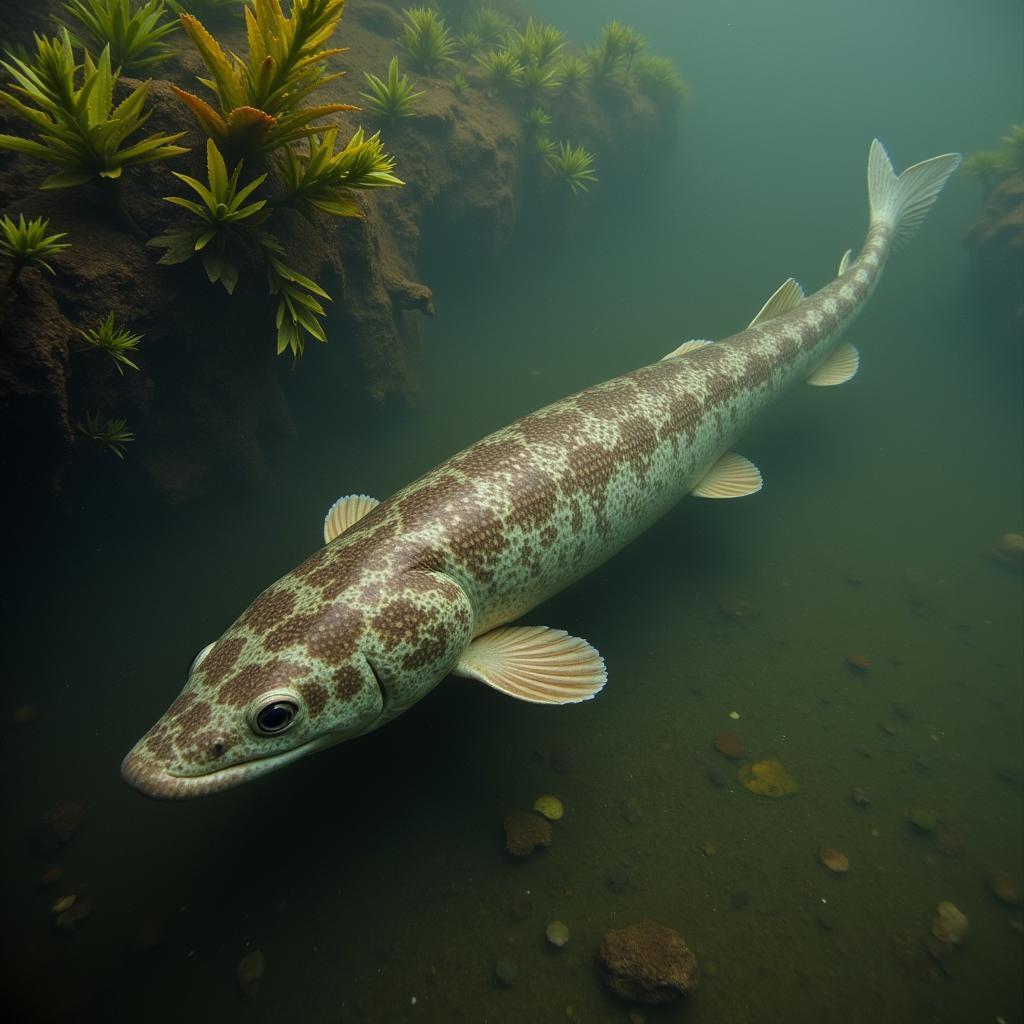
299,671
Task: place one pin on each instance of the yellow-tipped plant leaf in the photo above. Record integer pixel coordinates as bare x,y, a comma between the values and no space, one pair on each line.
229,88
210,121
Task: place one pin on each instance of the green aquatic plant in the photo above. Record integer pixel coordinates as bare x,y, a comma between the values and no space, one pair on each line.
426,38
261,95
459,83
134,34
607,58
988,166
209,9
571,73
113,434
327,180
658,78
537,44
224,219
500,68
538,120
1014,140
469,43
631,43
544,146
537,81
78,128
116,341
488,25
24,242
298,305
572,164
391,98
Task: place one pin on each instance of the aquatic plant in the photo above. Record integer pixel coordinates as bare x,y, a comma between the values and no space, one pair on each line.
459,83
631,43
608,56
658,78
116,341
426,38
78,128
223,219
469,43
500,68
544,146
1014,140
571,73
134,34
488,25
538,120
298,306
327,180
572,164
261,96
210,9
393,98
536,80
113,434
988,166
24,242
537,44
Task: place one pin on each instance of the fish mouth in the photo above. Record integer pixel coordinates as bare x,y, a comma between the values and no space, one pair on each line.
161,783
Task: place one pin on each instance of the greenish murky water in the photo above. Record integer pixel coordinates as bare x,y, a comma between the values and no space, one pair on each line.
373,876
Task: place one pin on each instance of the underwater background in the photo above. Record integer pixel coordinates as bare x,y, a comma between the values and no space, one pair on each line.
373,876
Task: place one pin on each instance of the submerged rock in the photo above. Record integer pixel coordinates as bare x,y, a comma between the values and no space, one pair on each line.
249,972
525,831
550,806
647,963
949,924
557,933
835,860
767,778
506,971
1007,887
1008,550
729,744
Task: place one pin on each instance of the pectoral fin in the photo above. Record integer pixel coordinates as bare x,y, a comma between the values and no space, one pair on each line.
344,513
844,263
534,663
732,476
840,366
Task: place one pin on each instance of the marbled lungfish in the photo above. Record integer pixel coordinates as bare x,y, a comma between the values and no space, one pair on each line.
428,582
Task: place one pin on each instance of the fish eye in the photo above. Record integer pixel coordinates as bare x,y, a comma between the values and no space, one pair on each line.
275,717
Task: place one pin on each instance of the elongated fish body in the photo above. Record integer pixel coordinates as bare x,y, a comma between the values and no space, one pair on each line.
425,583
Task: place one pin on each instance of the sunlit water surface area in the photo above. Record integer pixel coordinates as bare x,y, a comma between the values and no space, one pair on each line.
373,876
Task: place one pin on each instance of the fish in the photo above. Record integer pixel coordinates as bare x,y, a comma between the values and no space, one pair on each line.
433,581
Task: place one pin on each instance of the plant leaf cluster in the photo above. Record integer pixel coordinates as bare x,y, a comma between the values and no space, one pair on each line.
426,38
77,125
572,164
391,98
327,180
612,58
25,242
487,27
222,218
134,34
500,68
116,341
298,305
113,434
658,78
262,96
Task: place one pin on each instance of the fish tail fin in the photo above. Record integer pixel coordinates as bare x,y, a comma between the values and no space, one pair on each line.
903,201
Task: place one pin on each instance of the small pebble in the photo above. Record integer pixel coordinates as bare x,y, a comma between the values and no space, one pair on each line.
923,819
708,848
71,919
249,972
64,903
858,662
51,877
506,971
557,933
860,797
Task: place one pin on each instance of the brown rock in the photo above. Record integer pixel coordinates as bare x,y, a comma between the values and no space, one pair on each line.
249,972
647,963
58,827
525,831
1007,887
729,744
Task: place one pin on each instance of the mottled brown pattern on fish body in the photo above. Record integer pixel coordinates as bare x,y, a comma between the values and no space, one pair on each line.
371,622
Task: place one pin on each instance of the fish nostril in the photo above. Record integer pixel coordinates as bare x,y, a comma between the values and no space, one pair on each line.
217,748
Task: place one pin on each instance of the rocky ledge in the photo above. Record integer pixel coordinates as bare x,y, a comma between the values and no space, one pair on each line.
211,398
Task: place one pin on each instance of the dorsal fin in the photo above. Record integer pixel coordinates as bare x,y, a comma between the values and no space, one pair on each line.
688,346
844,263
787,296
344,512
